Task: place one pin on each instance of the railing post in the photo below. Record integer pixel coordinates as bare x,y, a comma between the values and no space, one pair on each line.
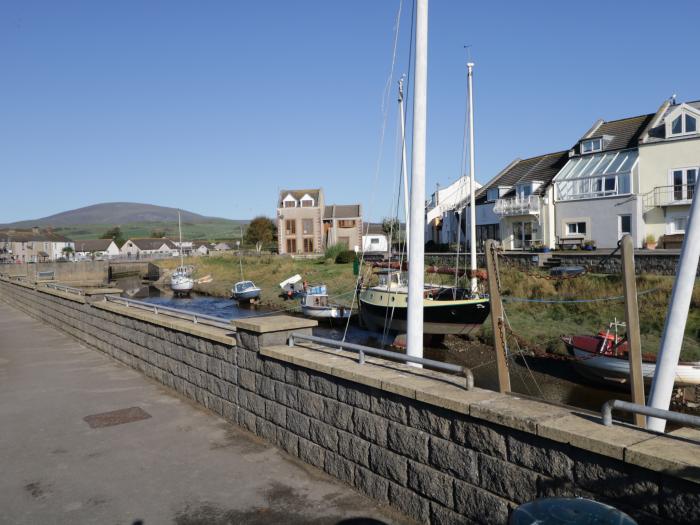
361,359
290,341
632,322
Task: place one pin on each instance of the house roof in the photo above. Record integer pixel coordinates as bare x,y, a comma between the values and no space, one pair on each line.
298,194
151,243
624,133
31,236
92,245
542,168
656,131
197,244
373,228
342,211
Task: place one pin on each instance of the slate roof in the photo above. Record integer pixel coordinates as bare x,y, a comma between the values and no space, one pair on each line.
544,170
342,211
30,236
150,243
92,245
298,194
624,132
374,228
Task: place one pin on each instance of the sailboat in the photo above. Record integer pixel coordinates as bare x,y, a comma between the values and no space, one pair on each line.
244,291
442,309
181,281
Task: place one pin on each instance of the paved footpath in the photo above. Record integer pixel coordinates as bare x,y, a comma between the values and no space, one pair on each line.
181,465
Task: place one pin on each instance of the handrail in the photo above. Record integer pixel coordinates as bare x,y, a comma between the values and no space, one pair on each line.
362,350
626,406
157,309
64,288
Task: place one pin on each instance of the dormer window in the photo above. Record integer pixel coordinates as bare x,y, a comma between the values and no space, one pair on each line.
492,194
591,145
289,201
307,201
524,190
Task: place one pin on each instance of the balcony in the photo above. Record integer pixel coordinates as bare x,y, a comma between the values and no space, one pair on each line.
518,206
675,195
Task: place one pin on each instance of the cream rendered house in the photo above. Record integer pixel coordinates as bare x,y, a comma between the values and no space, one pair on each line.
669,166
444,212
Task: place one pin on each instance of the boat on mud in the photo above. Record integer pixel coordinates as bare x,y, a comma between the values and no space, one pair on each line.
315,304
605,357
244,291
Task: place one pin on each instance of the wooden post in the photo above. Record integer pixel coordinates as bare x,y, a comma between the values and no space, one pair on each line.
497,320
634,343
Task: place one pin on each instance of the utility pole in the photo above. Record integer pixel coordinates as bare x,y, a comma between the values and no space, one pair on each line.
497,318
634,343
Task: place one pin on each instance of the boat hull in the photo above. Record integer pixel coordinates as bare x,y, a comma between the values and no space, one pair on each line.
439,317
326,312
182,286
617,370
248,295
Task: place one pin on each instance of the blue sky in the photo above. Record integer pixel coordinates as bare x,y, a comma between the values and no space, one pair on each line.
215,106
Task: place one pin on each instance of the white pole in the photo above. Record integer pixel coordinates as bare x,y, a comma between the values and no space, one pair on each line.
472,204
403,169
667,360
414,337
179,229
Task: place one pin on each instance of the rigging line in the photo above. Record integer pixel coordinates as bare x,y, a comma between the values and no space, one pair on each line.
510,299
517,344
397,26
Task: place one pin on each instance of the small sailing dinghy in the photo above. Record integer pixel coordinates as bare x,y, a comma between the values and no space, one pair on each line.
181,281
604,357
244,291
315,304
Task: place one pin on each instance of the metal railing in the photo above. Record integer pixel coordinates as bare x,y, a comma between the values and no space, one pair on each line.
678,194
518,205
64,288
48,275
187,315
395,356
626,406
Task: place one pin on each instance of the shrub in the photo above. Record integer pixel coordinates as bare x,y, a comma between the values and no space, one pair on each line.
334,250
344,257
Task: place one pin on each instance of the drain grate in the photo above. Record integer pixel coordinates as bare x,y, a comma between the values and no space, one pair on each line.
116,417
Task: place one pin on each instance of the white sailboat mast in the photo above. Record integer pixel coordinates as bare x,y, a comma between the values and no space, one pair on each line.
414,337
179,229
472,187
404,171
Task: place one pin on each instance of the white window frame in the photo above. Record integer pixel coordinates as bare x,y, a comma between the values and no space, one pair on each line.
307,197
620,233
489,194
685,171
577,233
594,149
287,199
683,112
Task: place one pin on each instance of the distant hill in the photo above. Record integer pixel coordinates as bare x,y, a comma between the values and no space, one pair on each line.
115,213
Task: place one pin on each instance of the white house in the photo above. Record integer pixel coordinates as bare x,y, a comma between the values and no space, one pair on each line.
149,247
374,239
444,212
90,248
34,245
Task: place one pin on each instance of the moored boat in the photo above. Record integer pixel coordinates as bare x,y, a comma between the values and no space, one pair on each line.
315,304
245,291
181,281
605,357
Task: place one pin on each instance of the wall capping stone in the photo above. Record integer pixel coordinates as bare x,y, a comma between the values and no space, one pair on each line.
273,323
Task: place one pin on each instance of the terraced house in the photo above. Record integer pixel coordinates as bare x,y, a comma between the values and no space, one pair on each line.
34,245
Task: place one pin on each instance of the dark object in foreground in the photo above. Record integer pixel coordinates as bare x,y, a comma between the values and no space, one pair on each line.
569,511
116,417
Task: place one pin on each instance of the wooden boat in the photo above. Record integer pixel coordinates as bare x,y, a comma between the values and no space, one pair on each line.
315,304
604,357
244,291
446,309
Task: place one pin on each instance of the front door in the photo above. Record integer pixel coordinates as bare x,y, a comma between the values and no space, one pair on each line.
522,235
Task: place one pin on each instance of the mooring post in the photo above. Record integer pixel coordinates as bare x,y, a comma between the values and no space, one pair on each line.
634,343
497,320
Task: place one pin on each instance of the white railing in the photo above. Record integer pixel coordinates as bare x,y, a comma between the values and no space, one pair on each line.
518,206
674,195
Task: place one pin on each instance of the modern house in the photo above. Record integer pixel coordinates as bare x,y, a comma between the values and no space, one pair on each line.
669,165
201,247
149,247
34,245
523,201
597,193
93,248
342,224
305,225
444,216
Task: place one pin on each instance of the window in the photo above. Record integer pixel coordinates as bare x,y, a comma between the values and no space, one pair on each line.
291,246
591,145
679,224
524,190
690,124
492,194
307,226
374,240
308,245
684,123
290,204
290,226
307,203
575,228
346,223
683,182
624,225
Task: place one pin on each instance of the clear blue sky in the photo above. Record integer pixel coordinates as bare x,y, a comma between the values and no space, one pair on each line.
214,106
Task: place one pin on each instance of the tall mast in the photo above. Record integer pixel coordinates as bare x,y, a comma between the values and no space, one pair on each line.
472,200
179,229
403,170
414,337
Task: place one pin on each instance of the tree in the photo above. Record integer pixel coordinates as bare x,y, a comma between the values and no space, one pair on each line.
391,226
158,234
67,252
115,234
261,231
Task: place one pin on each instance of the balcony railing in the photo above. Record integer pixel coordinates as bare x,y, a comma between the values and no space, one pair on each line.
674,195
518,206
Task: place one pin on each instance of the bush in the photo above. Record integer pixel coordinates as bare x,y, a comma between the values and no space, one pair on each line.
334,250
344,257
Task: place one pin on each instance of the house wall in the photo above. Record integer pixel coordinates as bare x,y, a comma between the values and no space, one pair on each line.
381,246
297,214
656,160
601,218
130,248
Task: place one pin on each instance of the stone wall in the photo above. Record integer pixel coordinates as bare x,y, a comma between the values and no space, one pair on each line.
94,272
414,439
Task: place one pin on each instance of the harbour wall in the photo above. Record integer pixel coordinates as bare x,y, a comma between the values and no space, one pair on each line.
411,438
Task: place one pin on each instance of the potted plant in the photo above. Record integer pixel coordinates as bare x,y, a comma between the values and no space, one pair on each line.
589,245
650,242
